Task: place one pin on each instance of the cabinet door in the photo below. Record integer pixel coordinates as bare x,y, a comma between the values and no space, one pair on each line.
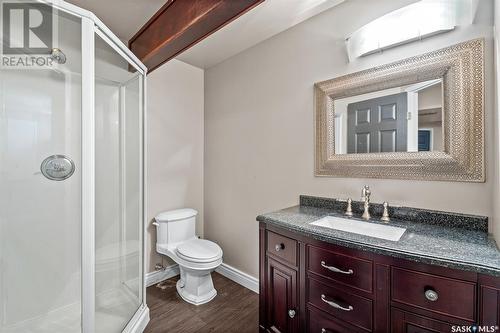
489,303
405,322
282,306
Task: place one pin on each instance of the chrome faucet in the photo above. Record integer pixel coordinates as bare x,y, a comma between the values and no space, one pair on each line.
365,196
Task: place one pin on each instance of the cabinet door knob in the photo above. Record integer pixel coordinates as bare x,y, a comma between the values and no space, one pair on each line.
291,313
431,295
280,247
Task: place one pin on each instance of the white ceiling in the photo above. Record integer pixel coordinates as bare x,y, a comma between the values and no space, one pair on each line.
126,17
264,21
123,17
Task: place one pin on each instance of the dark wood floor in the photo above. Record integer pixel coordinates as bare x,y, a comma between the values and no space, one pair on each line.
234,309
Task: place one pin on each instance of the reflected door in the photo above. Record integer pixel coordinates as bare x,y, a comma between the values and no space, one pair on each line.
377,125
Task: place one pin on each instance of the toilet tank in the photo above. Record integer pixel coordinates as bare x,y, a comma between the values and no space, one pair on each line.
175,226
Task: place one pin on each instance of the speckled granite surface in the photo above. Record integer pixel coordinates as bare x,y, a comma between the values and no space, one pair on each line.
442,245
465,221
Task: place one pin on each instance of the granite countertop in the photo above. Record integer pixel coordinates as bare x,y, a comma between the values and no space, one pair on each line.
442,245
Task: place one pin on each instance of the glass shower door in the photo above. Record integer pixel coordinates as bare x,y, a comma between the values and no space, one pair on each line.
118,172
40,215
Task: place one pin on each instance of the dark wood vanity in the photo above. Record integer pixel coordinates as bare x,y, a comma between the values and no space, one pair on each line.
314,286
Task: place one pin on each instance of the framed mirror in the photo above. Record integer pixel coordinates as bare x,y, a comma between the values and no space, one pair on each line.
418,118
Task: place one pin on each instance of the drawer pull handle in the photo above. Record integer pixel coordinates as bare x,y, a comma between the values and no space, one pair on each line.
279,247
431,295
291,313
336,270
335,305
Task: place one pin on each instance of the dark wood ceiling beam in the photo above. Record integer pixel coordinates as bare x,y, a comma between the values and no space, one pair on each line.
180,24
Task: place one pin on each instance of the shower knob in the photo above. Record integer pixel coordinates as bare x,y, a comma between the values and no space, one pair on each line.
57,167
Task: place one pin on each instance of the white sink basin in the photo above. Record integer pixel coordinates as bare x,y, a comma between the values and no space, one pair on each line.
386,232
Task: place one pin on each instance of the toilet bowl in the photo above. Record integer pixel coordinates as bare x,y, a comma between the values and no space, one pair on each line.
197,258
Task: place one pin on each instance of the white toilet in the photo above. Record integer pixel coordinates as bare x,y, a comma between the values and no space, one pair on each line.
197,258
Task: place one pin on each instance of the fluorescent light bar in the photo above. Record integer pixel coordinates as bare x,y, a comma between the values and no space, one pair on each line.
413,22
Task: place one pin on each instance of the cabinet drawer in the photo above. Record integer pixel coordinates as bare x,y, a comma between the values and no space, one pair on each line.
404,322
348,270
320,322
438,294
282,247
353,309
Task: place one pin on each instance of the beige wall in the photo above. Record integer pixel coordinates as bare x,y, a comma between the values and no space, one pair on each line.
175,145
259,128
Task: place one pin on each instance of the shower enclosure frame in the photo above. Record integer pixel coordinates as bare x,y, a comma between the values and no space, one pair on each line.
92,26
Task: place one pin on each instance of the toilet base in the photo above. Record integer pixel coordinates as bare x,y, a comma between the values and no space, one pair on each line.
196,286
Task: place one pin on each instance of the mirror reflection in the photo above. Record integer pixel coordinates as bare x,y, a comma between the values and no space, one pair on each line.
402,119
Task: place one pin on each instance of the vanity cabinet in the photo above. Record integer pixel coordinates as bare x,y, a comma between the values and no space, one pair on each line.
313,286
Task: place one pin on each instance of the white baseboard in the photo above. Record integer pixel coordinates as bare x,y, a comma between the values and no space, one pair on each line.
239,277
158,276
226,270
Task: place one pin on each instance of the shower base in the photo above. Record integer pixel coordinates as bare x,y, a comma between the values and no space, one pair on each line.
113,308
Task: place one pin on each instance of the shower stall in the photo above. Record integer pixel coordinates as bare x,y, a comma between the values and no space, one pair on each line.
72,100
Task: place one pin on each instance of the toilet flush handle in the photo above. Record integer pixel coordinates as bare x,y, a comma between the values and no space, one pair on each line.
155,224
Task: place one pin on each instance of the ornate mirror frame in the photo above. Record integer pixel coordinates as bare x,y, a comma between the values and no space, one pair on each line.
461,67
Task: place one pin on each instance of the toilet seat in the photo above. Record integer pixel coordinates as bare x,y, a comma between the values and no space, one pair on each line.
199,250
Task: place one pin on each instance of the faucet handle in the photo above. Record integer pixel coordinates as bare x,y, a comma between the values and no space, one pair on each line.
385,215
348,211
365,192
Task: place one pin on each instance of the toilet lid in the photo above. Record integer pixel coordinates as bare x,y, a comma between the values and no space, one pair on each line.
199,250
